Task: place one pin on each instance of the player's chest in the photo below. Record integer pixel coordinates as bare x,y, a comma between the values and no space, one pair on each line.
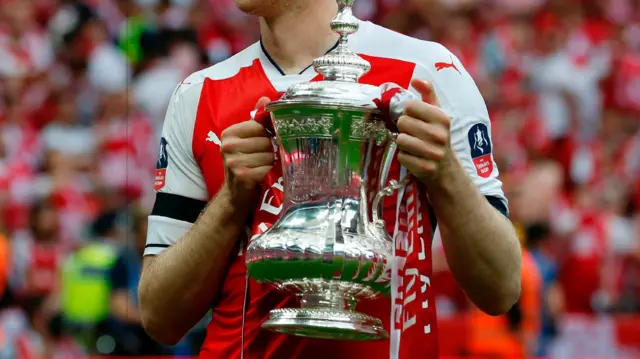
232,100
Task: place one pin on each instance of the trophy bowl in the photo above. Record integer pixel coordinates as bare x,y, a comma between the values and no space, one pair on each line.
330,247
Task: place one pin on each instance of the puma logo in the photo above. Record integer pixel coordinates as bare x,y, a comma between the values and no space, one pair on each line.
212,137
446,65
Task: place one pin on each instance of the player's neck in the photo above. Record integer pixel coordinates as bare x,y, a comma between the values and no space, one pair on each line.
295,38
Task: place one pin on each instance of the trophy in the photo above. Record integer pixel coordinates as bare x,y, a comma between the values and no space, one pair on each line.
330,247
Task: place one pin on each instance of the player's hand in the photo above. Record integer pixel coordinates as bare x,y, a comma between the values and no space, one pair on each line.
248,154
423,140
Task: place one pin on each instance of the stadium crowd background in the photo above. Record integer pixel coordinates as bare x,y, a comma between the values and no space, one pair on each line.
83,90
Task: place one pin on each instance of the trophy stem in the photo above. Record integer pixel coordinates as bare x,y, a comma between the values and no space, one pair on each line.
342,64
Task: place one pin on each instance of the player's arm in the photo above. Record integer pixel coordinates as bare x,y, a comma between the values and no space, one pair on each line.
189,242
187,250
178,286
481,246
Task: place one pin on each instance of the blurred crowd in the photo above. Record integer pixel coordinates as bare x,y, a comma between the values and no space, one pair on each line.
83,90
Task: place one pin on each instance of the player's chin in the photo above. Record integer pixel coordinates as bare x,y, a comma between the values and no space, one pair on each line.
251,7
264,8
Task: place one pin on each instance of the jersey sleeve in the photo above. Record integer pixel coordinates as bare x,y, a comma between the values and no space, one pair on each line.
471,139
181,192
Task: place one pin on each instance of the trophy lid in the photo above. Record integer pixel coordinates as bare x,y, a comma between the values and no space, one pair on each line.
341,69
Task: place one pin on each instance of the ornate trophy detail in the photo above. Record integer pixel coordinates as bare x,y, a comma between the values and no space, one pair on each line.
330,248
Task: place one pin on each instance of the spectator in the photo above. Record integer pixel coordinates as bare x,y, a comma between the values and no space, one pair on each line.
45,337
165,65
86,289
515,334
552,296
5,264
24,46
66,136
124,275
37,253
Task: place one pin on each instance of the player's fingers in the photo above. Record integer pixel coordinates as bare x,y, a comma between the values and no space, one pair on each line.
249,177
417,147
246,129
425,89
232,145
416,165
257,174
426,112
262,102
250,160
425,131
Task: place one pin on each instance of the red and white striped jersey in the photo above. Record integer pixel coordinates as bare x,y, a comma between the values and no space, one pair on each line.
190,172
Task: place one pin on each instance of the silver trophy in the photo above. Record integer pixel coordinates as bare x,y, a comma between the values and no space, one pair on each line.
330,247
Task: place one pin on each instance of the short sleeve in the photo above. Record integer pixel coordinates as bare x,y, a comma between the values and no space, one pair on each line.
471,138
181,192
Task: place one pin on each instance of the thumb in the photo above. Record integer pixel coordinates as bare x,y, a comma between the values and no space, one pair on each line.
425,89
262,102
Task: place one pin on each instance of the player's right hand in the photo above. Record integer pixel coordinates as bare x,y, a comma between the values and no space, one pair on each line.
248,155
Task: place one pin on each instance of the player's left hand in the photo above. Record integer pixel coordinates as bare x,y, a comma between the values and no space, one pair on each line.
423,140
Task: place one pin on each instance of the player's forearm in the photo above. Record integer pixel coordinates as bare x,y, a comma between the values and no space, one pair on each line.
179,286
481,246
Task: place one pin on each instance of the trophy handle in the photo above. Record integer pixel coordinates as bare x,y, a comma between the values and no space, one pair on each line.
393,184
392,102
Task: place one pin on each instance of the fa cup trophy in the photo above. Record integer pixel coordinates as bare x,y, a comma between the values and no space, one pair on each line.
330,247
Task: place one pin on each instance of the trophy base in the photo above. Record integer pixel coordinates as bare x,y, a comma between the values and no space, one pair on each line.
325,323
